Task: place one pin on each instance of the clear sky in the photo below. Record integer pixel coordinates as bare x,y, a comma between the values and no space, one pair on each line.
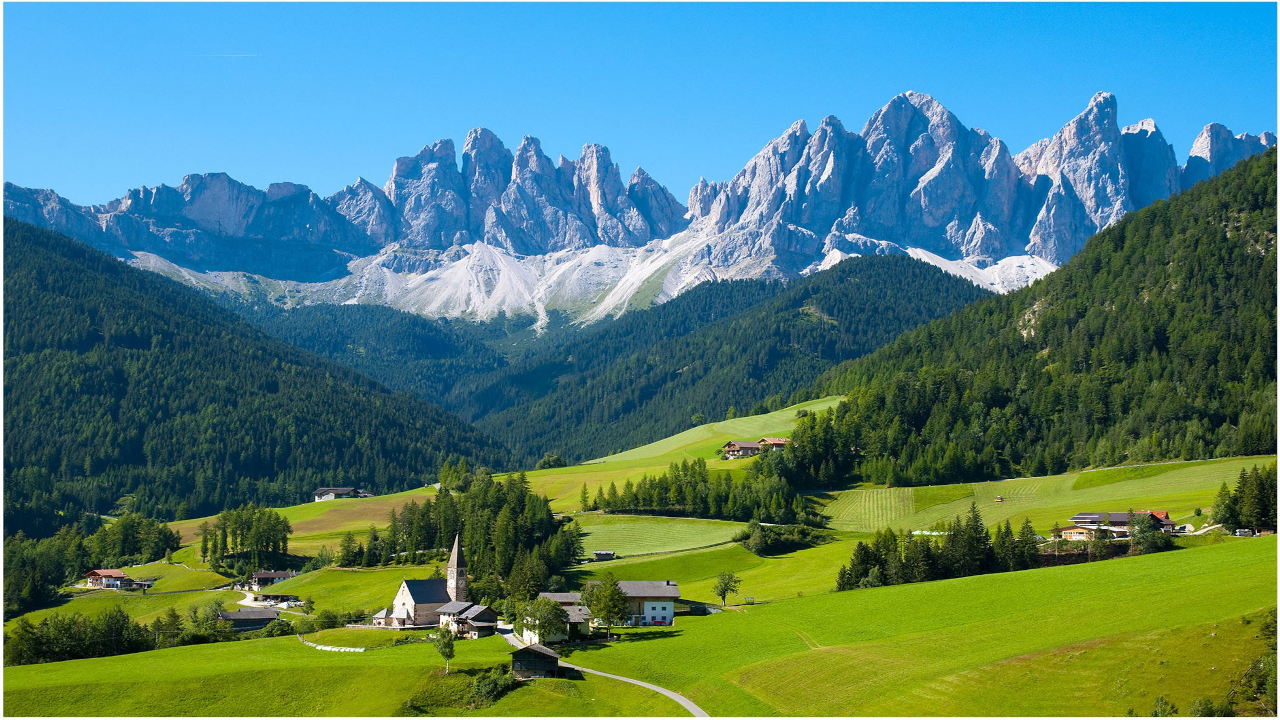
99,98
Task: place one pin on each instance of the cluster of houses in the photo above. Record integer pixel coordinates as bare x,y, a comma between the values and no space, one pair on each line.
1085,526
443,602
735,449
338,493
115,580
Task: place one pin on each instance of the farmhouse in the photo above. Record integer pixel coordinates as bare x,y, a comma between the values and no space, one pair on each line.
1076,533
267,578
467,620
534,661
249,619
735,449
330,493
1119,521
651,602
106,578
579,625
602,555
418,602
773,443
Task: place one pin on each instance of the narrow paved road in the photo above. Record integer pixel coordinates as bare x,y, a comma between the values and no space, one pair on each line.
687,704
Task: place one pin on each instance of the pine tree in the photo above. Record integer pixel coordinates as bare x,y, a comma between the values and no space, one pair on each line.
584,498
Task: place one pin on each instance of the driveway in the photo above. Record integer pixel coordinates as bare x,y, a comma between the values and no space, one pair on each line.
687,704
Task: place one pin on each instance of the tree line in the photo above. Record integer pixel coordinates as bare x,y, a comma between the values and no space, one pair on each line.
256,534
689,489
1252,504
1156,341
513,545
35,569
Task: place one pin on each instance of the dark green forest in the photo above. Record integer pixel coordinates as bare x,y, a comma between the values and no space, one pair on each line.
405,352
656,372
1157,341
125,391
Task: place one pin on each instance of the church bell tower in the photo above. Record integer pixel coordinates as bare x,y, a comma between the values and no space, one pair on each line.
456,575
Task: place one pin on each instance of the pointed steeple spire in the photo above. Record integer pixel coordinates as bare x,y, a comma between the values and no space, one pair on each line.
456,559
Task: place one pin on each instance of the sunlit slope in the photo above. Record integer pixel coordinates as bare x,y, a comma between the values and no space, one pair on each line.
1179,488
1042,641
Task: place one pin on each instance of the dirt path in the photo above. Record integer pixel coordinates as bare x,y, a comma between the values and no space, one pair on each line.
684,702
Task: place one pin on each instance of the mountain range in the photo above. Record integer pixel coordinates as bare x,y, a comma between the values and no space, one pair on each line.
517,233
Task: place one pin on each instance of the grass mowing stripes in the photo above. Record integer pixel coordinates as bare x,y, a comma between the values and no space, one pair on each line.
881,651
639,534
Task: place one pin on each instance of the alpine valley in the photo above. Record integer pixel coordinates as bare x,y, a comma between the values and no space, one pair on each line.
515,233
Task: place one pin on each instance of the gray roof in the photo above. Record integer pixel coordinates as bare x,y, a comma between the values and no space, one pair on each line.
454,607
541,650
474,610
578,613
1116,518
457,559
428,591
649,588
274,574
565,598
250,614
335,491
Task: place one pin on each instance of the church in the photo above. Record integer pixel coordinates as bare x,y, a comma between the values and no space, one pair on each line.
418,602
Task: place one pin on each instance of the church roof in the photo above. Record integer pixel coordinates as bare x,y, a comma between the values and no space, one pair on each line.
428,591
456,558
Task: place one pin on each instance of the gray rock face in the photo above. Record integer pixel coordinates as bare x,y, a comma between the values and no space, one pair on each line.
513,231
1215,150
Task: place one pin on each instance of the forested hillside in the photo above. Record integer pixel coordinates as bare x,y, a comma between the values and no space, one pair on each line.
715,350
407,352
1157,341
126,391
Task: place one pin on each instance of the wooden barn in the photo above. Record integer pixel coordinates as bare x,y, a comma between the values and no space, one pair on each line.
535,661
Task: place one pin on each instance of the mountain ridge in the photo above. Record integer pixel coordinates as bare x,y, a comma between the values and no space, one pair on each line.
502,231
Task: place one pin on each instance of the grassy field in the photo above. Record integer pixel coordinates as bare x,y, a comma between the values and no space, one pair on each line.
802,572
563,485
1093,639
637,534
347,590
169,578
143,608
1179,488
356,637
281,676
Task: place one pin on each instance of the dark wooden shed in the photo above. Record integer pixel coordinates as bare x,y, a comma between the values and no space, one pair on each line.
534,661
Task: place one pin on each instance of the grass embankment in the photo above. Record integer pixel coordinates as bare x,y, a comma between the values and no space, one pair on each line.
1093,639
1179,488
143,608
281,676
173,578
345,590
639,534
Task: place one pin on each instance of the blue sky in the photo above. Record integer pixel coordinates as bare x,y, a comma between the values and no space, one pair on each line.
99,98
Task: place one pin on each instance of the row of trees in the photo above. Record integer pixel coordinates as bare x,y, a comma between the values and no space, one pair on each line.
1253,502
35,569
257,534
689,489
513,545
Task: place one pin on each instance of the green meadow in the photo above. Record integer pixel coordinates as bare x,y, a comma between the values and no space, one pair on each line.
143,608
1046,641
639,534
170,577
1179,488
345,590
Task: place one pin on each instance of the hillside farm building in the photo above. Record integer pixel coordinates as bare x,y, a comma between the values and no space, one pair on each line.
266,578
651,602
1076,533
327,493
1117,523
106,578
773,443
249,619
602,555
418,602
468,621
735,449
579,620
534,661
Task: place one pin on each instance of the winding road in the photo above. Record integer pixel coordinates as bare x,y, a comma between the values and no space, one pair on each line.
687,704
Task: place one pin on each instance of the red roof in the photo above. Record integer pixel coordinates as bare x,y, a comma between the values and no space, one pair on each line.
774,440
106,573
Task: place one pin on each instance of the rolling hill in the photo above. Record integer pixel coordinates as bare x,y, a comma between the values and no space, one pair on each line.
126,389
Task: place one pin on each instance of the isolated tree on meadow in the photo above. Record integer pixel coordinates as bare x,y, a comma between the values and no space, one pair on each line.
726,584
444,646
606,602
585,498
